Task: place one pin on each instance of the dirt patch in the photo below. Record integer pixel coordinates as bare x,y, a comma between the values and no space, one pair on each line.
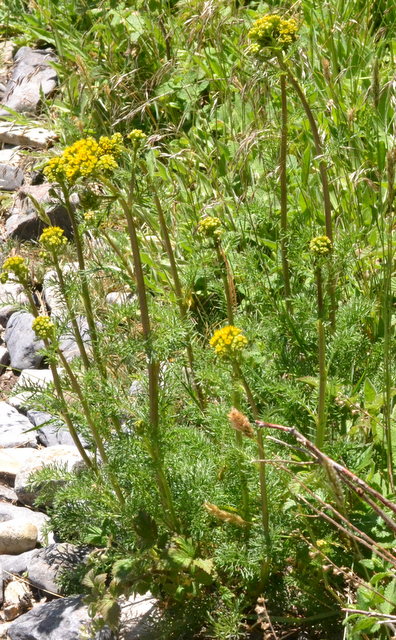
7,381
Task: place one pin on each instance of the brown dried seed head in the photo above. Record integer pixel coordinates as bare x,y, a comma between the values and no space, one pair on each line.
225,516
240,422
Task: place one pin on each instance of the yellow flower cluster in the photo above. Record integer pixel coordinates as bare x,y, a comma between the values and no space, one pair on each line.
53,239
85,158
43,327
135,135
225,516
210,227
228,341
16,265
272,32
320,246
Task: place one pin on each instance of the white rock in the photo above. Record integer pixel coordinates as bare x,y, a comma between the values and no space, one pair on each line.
10,156
137,616
37,378
15,428
64,456
120,297
12,461
26,136
4,356
17,537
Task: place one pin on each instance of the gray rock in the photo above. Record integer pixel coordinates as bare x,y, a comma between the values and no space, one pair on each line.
17,537
16,565
32,76
68,344
14,428
11,178
52,431
22,343
12,295
46,566
62,456
34,137
24,222
52,294
63,619
7,494
22,515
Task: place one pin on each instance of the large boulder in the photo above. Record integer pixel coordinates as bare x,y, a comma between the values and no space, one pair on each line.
23,516
45,567
63,619
63,456
24,222
32,77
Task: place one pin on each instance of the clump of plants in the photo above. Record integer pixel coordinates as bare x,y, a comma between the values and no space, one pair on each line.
238,401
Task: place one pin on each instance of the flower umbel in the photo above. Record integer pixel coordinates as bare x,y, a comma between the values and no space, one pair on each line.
43,327
228,342
209,227
53,239
84,158
17,266
320,246
136,135
272,33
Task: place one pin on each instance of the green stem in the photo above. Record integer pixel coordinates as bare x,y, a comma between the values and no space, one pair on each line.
260,446
91,423
240,445
84,284
283,201
72,316
387,312
319,149
179,293
58,388
228,281
152,367
321,420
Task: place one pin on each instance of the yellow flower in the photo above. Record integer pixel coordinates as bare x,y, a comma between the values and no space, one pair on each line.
16,265
135,135
43,327
210,227
271,33
53,239
228,342
84,158
320,246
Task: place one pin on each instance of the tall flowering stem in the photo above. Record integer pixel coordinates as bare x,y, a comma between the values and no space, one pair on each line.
271,36
179,294
320,248
53,240
228,344
283,202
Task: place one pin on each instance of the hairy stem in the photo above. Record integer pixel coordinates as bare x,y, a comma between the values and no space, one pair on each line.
283,201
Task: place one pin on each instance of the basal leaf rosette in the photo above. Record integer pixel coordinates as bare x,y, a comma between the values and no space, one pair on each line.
272,34
85,158
15,265
228,342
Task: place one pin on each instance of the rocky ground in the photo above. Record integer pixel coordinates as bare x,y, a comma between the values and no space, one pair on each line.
31,604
